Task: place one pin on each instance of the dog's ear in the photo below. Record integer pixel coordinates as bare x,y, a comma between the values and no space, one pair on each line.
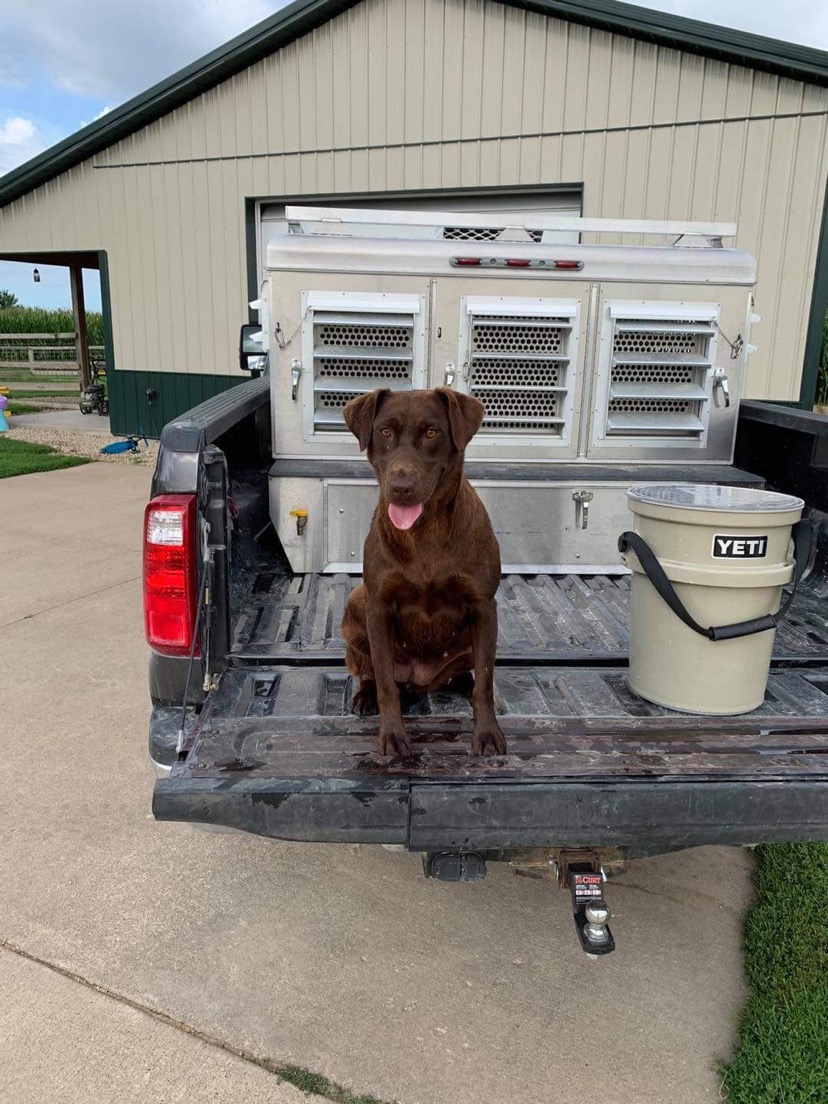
465,413
360,414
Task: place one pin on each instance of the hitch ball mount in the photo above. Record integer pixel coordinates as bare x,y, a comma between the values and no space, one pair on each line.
590,910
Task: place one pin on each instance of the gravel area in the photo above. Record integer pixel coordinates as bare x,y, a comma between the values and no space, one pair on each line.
83,444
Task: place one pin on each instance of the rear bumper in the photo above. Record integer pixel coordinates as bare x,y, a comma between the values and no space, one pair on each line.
503,815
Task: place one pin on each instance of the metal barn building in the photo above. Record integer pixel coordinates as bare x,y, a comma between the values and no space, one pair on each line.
584,106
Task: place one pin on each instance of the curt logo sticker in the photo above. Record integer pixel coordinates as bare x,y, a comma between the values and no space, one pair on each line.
739,548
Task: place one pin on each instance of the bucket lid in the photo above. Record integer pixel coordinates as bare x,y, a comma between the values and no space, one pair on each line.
707,496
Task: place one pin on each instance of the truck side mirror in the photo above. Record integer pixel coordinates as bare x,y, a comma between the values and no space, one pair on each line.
252,351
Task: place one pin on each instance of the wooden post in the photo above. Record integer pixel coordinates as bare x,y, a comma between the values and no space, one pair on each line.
81,334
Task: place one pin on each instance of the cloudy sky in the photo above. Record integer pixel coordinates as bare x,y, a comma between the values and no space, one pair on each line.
65,63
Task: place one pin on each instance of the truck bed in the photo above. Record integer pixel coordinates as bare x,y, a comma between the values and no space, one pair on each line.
558,619
277,751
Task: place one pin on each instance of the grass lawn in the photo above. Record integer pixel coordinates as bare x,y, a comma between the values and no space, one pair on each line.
22,457
23,408
23,375
782,1056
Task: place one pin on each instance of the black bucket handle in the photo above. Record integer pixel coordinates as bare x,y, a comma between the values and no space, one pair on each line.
802,535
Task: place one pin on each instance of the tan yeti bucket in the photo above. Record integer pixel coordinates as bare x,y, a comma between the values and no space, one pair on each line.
708,564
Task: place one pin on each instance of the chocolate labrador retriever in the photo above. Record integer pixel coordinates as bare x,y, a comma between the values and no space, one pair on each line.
425,614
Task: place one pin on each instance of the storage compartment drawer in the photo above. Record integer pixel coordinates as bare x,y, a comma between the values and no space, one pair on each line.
559,527
540,526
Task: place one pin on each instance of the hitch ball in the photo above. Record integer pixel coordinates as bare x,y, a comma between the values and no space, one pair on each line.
597,917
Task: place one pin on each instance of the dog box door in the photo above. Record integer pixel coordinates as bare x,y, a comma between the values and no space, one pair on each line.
354,343
520,356
338,336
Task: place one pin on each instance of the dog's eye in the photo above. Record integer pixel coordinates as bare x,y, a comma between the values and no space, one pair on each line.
385,432
431,432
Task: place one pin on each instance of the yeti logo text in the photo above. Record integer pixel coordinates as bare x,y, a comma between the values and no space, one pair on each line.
739,548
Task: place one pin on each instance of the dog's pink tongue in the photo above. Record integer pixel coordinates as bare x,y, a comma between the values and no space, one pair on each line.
403,517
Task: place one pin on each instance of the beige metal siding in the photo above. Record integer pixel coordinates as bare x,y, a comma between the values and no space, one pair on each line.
430,94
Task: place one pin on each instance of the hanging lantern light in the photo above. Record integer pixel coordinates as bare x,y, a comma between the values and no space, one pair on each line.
36,276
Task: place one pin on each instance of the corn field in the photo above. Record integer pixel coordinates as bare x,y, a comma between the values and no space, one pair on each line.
33,320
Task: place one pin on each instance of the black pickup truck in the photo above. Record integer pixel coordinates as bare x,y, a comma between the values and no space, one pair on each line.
251,725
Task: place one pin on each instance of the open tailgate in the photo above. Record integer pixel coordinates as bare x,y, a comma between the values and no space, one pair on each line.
277,752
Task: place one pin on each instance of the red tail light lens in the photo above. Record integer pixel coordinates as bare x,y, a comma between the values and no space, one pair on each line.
466,262
517,262
170,574
568,264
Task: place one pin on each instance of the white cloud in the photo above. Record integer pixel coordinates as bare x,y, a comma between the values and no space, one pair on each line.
104,111
20,139
111,51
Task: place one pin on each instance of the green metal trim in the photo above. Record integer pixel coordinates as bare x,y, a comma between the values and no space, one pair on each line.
690,35
250,246
106,311
131,411
819,305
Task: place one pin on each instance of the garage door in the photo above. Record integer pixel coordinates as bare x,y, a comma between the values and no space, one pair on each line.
272,214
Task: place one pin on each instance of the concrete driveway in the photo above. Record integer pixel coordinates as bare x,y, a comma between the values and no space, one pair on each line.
152,961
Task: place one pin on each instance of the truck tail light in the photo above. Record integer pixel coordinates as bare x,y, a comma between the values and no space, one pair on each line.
466,262
170,598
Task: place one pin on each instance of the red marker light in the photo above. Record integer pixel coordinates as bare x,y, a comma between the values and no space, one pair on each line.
567,264
517,262
466,261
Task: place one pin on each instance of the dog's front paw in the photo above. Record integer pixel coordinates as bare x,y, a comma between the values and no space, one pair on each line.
488,740
365,699
393,739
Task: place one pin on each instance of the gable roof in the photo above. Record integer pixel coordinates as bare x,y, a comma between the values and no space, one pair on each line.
771,55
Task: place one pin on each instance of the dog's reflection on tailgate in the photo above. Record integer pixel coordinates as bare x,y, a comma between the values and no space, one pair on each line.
425,614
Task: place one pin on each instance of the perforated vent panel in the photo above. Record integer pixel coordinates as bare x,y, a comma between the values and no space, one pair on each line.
335,400
519,373
347,368
654,373
513,335
355,352
656,406
518,365
366,336
654,343
517,405
484,234
658,375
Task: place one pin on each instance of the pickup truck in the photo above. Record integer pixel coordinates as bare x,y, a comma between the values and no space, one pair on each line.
246,578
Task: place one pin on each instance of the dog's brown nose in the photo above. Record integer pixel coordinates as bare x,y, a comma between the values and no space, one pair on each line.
401,486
